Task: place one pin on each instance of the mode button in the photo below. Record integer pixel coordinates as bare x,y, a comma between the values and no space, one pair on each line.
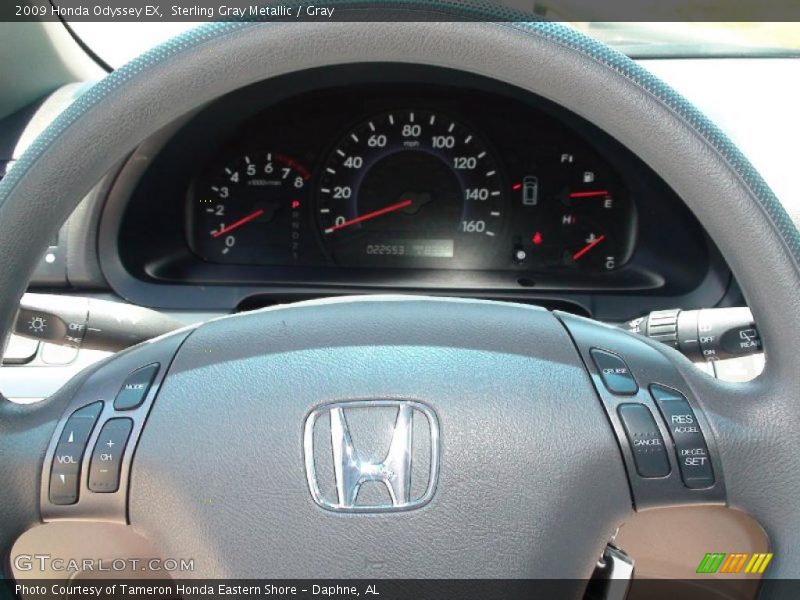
135,388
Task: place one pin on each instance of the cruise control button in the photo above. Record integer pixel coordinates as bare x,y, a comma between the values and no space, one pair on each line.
646,442
615,373
690,444
135,388
107,455
66,468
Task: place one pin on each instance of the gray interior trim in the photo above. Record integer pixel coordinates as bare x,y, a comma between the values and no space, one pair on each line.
38,58
80,237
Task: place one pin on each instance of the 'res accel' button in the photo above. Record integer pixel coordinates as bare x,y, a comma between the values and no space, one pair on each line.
645,439
616,375
690,443
135,388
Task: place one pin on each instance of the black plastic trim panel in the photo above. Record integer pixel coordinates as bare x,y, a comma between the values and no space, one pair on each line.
649,367
103,386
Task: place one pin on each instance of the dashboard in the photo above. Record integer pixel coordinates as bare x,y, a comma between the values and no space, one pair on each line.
395,177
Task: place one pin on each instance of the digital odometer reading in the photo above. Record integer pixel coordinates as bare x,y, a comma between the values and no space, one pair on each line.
411,188
413,248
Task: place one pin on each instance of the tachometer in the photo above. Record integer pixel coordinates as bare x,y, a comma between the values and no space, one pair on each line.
248,210
411,188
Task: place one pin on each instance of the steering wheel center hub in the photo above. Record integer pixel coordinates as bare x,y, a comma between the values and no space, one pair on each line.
307,429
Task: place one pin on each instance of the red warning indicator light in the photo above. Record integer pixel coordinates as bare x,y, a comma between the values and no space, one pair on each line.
516,186
295,203
537,238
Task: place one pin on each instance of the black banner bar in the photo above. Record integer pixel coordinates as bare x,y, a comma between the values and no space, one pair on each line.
201,11
83,588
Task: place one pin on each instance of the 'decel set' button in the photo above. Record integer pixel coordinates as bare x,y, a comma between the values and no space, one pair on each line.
690,444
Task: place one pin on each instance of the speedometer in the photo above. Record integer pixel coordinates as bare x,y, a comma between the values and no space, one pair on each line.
411,188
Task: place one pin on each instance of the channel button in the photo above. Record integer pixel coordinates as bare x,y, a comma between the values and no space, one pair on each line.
107,455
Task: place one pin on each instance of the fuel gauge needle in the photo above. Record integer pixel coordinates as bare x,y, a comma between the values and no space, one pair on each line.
239,223
587,247
589,194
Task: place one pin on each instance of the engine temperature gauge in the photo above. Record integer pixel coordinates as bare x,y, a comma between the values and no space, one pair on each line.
576,215
588,231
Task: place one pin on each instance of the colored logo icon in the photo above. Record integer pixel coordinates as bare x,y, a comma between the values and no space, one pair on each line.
734,563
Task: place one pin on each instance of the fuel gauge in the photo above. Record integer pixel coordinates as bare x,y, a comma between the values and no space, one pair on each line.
596,228
573,213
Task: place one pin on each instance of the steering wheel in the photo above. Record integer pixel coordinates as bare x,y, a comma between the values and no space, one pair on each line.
405,436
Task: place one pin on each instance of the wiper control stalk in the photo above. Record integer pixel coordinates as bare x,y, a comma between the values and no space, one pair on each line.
707,334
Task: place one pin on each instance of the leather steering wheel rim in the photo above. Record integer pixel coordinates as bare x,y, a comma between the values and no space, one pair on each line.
755,424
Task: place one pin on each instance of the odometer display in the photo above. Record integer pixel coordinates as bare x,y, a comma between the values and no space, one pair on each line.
411,188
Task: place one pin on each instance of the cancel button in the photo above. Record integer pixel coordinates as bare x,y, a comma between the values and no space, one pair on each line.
690,444
649,453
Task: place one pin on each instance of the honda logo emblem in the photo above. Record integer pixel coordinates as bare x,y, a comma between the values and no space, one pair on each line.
399,453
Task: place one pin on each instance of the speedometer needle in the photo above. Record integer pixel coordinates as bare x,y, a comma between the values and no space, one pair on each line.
239,223
370,215
587,247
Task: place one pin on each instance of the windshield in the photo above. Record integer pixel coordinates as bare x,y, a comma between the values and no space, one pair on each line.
117,43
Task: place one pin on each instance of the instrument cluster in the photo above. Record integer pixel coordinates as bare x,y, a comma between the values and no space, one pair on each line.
370,177
413,187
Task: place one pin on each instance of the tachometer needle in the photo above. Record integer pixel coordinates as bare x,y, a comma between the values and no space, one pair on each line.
239,223
371,215
587,247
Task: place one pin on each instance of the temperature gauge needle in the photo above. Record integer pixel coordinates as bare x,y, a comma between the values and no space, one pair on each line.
587,247
371,215
239,223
